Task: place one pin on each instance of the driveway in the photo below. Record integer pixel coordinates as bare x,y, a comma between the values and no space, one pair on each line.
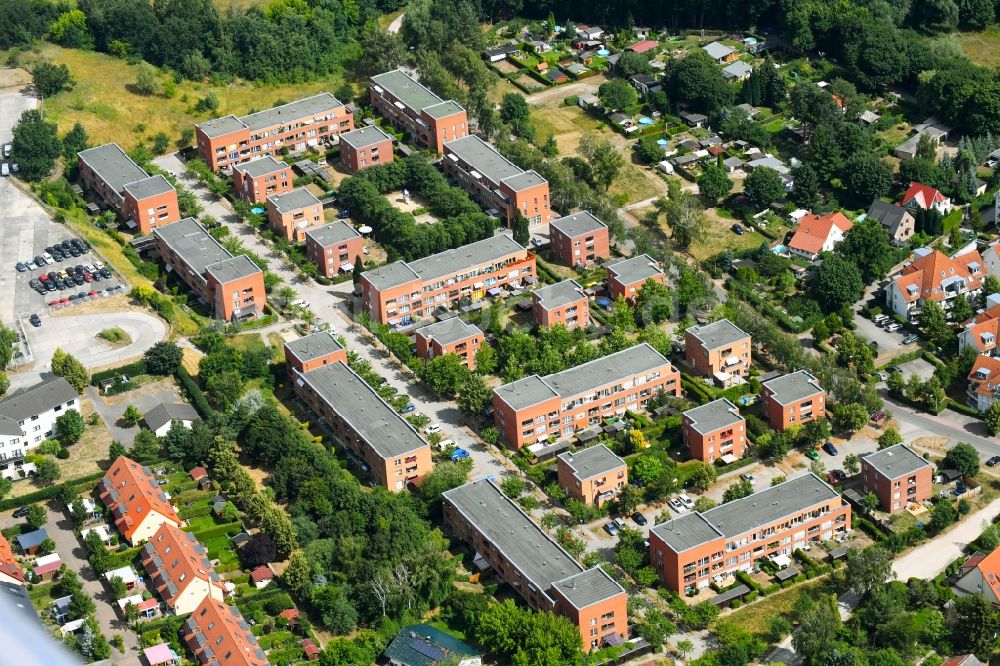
111,408
931,558
331,304
951,425
12,104
588,87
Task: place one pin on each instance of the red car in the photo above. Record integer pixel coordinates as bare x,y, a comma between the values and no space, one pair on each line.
94,295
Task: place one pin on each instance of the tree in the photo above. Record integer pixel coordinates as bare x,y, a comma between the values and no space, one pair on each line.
817,631
890,437
653,303
617,94
628,500
714,183
75,141
934,323
684,213
77,512
962,457
851,416
474,395
991,285
702,476
445,374
852,463
837,283
806,190
763,187
824,153
359,268
738,490
131,415
70,426
70,30
37,516
604,159
631,63
51,79
258,551
163,358
867,245
116,450
869,568
70,369
977,623
685,647
522,234
961,310
522,636
512,486
514,111
992,418
147,80
698,80
35,145
146,445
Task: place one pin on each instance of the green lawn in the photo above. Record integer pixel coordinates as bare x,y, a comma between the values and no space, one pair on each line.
756,617
982,48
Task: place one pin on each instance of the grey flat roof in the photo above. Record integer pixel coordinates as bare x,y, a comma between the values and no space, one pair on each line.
523,181
587,377
221,126
719,333
449,331
484,158
591,462
192,243
746,514
149,187
371,417
463,258
513,533
303,108
895,461
167,412
714,415
589,587
634,269
294,200
112,165
578,224
793,387
559,294
335,232
261,166
314,345
37,399
444,109
234,268
390,275
365,136
406,89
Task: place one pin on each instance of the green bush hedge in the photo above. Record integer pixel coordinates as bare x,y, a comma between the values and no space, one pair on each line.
45,494
194,393
130,369
217,531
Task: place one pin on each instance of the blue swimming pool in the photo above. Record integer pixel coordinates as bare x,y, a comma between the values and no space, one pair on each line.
778,249
603,52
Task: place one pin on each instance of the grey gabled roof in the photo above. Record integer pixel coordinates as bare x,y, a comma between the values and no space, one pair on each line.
149,187
335,232
559,294
484,158
895,461
298,198
32,539
167,412
633,269
736,69
589,587
260,166
37,399
591,462
587,377
234,268
793,387
406,89
713,416
887,214
719,333
314,345
365,136
112,165
192,243
387,433
718,50
746,514
578,224
449,331
522,542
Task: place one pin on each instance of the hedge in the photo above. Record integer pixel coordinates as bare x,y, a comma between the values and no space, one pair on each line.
217,531
956,406
136,368
868,527
125,557
194,393
46,494
695,386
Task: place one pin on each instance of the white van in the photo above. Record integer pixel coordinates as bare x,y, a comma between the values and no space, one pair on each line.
5,169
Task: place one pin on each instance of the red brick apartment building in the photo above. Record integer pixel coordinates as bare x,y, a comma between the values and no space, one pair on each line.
227,141
294,213
793,399
545,575
232,286
216,633
312,351
720,350
689,551
715,430
365,147
261,178
593,475
563,303
579,239
535,408
334,247
500,186
385,444
142,201
451,336
898,476
402,293
626,276
408,106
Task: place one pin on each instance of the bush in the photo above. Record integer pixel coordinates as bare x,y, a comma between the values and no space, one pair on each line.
51,492
129,369
194,393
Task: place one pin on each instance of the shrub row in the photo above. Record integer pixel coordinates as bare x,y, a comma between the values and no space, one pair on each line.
131,369
194,393
45,494
217,531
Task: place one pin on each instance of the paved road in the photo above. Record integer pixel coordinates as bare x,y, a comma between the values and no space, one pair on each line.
13,103
111,413
330,304
956,427
929,559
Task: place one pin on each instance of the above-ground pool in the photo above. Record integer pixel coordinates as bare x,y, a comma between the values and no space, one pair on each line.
603,52
778,249
257,210
645,120
603,301
661,142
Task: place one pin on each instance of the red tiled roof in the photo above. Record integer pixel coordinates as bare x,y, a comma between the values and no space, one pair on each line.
261,573
976,332
198,473
814,231
923,196
643,46
131,494
229,642
290,614
8,565
989,566
309,647
716,150
984,379
174,559
929,271
48,568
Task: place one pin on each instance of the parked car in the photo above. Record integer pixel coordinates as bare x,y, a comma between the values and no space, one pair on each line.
300,303
812,454
835,476
882,375
676,505
410,407
830,448
459,454
892,328
747,476
639,518
35,320
910,339
32,265
611,529
343,214
432,428
738,229
993,461
21,512
21,267
686,501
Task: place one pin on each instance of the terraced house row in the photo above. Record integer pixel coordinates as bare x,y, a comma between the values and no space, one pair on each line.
228,141
535,409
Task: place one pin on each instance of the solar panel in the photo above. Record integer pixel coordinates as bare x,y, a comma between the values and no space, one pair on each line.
428,650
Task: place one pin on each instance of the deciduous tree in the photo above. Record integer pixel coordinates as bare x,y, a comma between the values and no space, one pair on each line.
70,426
35,145
764,187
